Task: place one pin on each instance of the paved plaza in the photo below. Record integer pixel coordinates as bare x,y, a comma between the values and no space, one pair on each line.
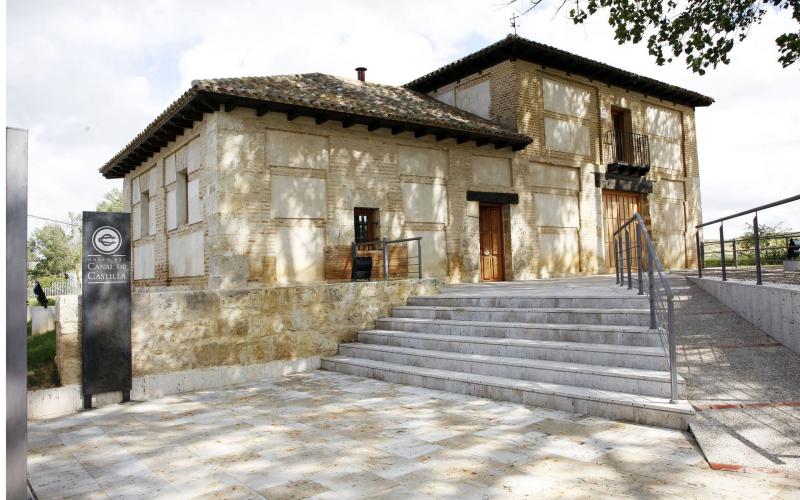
327,435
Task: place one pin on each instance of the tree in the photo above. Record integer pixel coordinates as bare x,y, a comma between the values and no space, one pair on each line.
703,31
54,253
112,202
773,241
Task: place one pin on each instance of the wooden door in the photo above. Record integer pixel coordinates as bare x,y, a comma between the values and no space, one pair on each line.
491,228
618,207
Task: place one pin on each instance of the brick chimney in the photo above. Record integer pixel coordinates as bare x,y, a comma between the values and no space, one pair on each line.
362,73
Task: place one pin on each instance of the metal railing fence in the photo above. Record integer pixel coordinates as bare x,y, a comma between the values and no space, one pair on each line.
637,262
763,252
412,261
627,147
65,287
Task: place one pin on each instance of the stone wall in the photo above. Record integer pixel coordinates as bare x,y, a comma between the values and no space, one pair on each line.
179,331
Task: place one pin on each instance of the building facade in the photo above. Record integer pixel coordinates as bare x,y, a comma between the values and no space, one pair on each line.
516,162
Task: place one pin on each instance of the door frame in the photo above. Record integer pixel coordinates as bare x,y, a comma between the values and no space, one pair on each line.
502,253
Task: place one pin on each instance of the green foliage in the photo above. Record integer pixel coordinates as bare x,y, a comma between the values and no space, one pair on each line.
42,370
112,202
704,32
34,302
53,253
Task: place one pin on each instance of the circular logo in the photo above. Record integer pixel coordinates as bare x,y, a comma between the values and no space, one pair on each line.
106,240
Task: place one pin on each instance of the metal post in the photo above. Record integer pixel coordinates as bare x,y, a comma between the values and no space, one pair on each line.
621,264
419,257
354,253
758,249
651,285
673,354
699,254
639,258
722,252
735,258
616,262
385,261
16,267
628,257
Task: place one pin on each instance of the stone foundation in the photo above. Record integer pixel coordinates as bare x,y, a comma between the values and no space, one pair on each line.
177,331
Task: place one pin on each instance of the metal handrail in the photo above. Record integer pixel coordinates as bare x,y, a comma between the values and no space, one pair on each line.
700,246
627,148
661,297
385,251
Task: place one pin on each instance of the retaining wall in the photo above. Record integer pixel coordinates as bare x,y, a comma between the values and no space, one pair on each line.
774,308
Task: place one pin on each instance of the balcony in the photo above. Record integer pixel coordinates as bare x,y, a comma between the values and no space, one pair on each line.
627,153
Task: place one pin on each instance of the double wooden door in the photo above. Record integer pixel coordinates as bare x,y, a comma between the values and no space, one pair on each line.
491,230
618,207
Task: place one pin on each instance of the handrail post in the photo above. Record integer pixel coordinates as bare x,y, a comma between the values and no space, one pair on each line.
673,355
419,257
699,254
758,250
353,262
616,262
385,261
620,262
628,257
735,259
639,258
651,285
722,252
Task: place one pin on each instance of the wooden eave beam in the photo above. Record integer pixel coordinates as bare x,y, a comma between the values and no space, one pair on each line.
373,126
500,144
440,136
348,122
261,110
481,142
320,119
292,114
398,129
230,106
421,132
461,139
518,147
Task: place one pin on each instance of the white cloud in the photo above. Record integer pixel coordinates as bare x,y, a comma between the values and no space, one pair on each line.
86,76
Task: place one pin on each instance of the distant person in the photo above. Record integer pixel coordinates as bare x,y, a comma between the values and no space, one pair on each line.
794,249
39,292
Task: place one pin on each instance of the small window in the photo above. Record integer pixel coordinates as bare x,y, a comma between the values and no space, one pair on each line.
144,214
367,224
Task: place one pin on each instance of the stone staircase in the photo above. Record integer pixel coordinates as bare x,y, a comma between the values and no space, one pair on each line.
551,343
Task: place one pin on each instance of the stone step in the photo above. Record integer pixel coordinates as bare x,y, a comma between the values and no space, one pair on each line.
623,317
600,334
628,380
553,302
649,410
645,358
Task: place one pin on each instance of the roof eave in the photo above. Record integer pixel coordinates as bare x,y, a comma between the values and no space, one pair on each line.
173,123
515,47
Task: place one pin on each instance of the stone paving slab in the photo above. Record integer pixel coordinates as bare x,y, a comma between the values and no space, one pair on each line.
325,435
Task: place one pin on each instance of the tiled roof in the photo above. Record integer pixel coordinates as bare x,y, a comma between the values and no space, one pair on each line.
322,96
515,47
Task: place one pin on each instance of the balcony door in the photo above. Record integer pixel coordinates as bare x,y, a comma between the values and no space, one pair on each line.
621,119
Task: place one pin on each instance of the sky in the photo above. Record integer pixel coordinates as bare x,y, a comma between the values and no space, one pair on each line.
86,76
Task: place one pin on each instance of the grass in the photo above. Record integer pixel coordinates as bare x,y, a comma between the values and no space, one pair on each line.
42,372
33,302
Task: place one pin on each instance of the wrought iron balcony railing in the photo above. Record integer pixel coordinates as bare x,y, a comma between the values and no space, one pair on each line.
627,148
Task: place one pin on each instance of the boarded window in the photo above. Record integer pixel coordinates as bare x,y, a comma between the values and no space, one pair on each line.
366,222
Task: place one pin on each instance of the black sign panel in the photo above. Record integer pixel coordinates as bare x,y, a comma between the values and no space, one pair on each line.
106,302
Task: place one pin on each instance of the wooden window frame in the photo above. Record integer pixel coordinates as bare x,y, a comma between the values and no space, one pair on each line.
370,223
